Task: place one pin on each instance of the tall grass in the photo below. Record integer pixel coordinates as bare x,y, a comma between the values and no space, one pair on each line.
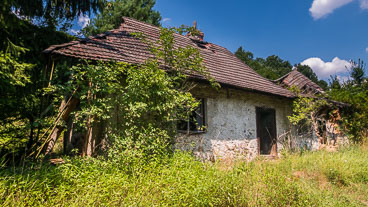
312,179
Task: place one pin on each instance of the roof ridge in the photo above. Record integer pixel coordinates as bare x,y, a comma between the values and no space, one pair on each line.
54,47
222,64
136,20
284,76
100,35
158,27
120,28
298,78
307,79
79,40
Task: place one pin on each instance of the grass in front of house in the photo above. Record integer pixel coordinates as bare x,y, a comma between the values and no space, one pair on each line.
310,179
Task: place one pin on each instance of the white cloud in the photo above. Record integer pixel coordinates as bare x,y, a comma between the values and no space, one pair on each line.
366,49
364,4
325,69
164,20
73,31
343,79
322,8
83,21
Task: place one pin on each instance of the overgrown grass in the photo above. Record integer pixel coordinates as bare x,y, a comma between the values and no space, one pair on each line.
312,179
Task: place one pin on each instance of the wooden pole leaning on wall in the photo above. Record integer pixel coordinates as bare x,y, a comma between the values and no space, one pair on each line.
66,107
52,71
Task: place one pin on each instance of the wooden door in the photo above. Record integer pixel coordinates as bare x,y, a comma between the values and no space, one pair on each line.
266,131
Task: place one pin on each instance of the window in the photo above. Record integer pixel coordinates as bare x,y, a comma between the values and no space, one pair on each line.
196,121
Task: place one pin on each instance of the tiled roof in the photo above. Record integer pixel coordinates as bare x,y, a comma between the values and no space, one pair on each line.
297,79
119,45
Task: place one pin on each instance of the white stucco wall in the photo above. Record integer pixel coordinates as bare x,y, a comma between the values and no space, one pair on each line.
231,123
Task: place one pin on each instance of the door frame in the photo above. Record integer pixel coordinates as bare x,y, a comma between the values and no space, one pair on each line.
273,151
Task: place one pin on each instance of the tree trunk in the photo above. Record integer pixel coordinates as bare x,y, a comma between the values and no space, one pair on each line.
72,138
67,142
54,136
65,108
88,141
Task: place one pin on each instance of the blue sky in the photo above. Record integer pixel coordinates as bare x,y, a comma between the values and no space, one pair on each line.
324,34
292,29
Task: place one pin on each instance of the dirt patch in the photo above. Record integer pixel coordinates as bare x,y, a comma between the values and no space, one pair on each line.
329,148
320,178
229,164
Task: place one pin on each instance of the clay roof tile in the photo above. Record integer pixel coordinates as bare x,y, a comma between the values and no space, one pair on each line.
120,45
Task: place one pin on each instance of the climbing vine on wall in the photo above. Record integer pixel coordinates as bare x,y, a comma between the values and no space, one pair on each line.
137,104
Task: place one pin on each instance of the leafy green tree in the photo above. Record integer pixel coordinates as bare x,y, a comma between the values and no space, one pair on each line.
335,83
355,115
272,67
245,56
305,113
49,12
111,15
22,79
357,71
323,84
16,14
354,93
27,28
278,66
248,58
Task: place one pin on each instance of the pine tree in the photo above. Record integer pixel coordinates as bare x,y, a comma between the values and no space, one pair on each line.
111,15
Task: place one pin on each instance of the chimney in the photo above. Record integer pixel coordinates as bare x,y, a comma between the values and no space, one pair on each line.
199,36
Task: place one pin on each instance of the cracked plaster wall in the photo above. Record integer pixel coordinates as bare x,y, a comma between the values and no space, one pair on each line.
231,123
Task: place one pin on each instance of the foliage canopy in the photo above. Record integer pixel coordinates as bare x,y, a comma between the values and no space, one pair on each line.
111,15
26,29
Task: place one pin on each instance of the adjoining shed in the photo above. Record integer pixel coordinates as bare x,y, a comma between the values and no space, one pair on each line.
245,118
326,123
300,81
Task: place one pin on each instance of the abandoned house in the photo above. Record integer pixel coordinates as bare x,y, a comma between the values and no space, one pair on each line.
245,118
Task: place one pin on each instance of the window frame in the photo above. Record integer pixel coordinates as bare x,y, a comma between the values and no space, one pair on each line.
203,107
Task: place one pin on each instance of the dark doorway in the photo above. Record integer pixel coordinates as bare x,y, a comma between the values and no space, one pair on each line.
266,131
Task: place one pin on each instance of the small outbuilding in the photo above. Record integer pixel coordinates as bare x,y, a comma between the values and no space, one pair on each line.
325,131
